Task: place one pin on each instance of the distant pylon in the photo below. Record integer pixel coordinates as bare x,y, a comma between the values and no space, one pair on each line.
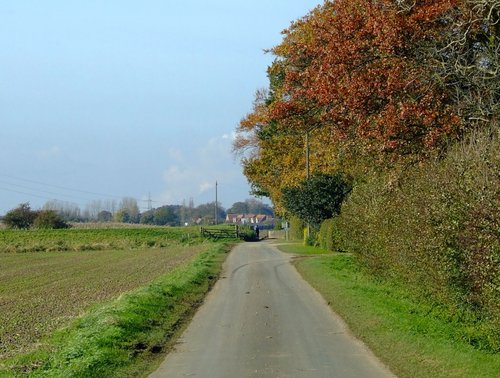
150,202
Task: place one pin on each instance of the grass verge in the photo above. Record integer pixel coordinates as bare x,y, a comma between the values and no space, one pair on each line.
124,337
413,338
302,249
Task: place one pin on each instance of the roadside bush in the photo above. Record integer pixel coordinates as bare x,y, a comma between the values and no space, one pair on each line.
247,233
325,235
436,227
49,219
296,228
22,217
330,236
312,238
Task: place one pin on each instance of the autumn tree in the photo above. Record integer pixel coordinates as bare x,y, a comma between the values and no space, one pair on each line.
352,76
356,73
466,59
404,96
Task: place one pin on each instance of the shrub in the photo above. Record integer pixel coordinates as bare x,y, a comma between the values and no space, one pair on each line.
296,228
21,217
325,235
330,236
49,219
311,237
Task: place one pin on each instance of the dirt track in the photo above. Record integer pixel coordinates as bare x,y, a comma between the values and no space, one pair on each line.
263,320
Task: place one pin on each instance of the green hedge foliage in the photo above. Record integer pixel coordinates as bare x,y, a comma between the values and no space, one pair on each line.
436,227
325,235
296,228
330,236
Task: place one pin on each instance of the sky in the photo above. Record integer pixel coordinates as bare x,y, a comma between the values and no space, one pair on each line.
101,100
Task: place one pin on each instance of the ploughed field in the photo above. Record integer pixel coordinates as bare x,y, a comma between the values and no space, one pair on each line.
49,277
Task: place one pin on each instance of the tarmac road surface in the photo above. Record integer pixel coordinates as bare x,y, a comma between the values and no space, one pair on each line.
263,320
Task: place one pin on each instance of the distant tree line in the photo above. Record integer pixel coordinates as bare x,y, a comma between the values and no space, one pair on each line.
58,214
250,206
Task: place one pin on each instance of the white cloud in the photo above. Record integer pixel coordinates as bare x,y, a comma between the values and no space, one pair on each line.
52,152
195,174
206,186
175,154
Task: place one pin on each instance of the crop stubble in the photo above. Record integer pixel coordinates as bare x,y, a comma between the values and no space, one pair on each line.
42,291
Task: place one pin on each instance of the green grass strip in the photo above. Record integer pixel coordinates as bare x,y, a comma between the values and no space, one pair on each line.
302,249
414,338
123,337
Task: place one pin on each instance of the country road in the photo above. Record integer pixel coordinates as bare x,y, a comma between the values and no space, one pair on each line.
263,320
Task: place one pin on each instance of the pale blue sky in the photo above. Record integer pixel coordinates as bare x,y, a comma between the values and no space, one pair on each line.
123,98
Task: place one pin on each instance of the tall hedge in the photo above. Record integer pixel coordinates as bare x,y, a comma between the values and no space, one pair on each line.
437,228
296,228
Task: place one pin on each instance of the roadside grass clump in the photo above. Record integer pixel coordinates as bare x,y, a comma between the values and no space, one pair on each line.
302,250
124,336
415,338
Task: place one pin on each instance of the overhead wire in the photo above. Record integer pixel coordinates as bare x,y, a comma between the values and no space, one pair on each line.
62,187
57,194
24,193
43,191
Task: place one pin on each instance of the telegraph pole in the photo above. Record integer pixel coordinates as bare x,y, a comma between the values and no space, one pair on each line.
216,215
308,169
307,155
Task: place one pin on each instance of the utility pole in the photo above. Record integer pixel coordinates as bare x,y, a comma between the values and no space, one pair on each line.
216,215
307,155
308,232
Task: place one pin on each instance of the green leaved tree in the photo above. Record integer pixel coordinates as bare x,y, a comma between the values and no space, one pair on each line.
317,198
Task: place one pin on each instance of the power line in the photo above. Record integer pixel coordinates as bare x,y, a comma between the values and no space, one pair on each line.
149,201
43,191
27,194
63,187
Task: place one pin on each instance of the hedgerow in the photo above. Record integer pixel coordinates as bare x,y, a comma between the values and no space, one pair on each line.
435,228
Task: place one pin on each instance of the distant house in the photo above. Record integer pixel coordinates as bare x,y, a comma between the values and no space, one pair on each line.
261,218
246,218
232,218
